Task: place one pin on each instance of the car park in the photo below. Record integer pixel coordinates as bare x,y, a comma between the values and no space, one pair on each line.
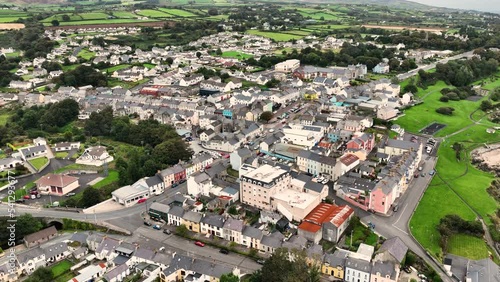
147,223
156,227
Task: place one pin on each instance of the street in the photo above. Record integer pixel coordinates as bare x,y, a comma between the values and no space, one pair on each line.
433,65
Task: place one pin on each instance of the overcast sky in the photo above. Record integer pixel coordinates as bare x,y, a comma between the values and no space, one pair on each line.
480,5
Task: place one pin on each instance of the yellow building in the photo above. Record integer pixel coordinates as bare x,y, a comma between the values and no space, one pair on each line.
183,268
192,221
333,264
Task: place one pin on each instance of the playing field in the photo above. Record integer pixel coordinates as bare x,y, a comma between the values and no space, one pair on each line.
236,55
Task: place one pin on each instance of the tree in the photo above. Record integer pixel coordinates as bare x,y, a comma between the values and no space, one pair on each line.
181,230
286,266
213,11
266,116
218,52
90,197
445,111
27,224
486,105
198,54
66,18
229,277
55,23
42,274
410,88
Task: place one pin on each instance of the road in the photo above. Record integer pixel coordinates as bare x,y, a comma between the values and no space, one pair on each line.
433,65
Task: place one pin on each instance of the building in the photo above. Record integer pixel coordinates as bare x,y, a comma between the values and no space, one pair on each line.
9,163
238,157
40,237
381,68
393,249
302,135
90,273
287,66
57,184
326,222
357,270
159,210
95,156
259,185
233,229
316,164
183,268
130,194
398,147
192,221
334,264
384,271
33,152
463,269
213,225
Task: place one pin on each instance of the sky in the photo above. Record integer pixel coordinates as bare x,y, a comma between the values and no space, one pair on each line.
479,5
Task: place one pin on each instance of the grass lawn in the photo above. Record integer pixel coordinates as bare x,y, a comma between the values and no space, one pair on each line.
19,193
61,267
3,118
77,167
274,35
236,55
39,162
65,277
124,15
468,246
86,54
112,177
61,155
418,117
112,69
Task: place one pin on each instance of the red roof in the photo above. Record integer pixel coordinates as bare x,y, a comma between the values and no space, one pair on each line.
348,159
325,213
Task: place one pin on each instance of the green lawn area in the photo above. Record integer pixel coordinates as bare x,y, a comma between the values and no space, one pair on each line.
178,12
77,167
61,155
418,117
112,69
112,177
236,55
102,21
274,35
3,118
60,268
467,246
19,193
466,189
124,15
39,162
153,14
86,54
65,277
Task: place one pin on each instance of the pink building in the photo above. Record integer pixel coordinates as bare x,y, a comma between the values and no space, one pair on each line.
382,196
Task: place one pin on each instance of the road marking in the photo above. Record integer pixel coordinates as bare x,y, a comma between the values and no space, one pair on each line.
402,212
400,229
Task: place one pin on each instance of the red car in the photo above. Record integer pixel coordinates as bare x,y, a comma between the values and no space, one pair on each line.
142,200
208,166
200,244
27,197
226,156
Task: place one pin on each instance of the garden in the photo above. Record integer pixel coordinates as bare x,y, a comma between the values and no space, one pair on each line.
38,163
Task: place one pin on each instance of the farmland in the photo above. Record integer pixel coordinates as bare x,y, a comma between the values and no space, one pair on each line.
277,36
153,14
178,12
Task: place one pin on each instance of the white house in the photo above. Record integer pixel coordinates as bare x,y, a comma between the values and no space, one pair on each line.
95,156
287,66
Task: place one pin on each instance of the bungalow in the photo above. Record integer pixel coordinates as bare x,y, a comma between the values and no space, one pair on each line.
9,163
33,151
95,156
66,146
57,184
90,273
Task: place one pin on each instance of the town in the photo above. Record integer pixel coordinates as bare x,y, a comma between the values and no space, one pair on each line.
239,157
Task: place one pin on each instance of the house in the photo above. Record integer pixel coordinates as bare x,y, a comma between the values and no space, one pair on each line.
9,163
159,210
316,164
213,225
57,184
357,270
192,221
129,195
183,268
90,273
233,229
175,215
199,183
334,264
384,271
57,252
269,243
363,141
251,237
23,85
33,152
238,157
326,221
155,184
345,164
393,249
106,248
117,274
30,260
95,156
66,146
40,237
463,269
387,113
381,68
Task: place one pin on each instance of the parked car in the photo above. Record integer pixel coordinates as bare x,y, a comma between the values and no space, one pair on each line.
199,244
224,251
261,261
395,208
147,223
142,200
161,249
407,269
431,173
33,192
175,185
33,197
182,181
20,201
70,194
166,231
157,227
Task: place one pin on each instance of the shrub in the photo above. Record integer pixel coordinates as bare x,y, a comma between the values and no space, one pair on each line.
444,99
445,111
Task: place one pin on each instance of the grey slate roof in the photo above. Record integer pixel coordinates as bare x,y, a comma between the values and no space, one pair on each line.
192,216
160,207
153,180
176,211
79,237
274,240
144,253
358,264
28,255
213,220
395,247
115,272
385,268
234,224
338,258
252,232
54,250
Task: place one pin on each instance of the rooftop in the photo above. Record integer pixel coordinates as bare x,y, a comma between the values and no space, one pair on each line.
294,198
266,173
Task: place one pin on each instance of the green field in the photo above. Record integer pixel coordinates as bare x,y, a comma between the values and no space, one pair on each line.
153,14
39,162
467,246
86,54
178,12
112,177
420,116
112,69
236,55
4,118
465,189
103,21
124,15
274,35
